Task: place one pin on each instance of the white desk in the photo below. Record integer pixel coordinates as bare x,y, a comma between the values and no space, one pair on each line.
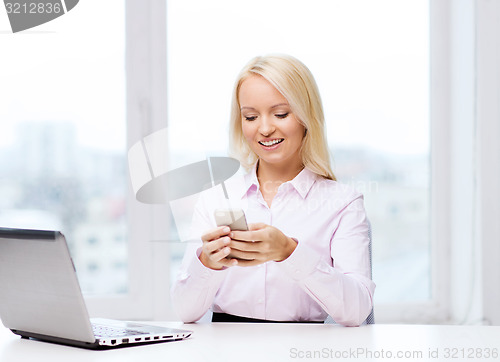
282,342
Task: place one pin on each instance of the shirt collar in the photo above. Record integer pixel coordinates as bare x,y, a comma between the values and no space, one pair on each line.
302,183
251,181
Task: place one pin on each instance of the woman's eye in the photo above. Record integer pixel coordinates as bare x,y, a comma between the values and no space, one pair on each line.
250,118
282,115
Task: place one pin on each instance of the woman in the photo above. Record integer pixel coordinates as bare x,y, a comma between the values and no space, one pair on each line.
305,255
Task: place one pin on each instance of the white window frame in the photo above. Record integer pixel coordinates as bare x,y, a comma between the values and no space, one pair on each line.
465,191
436,309
472,89
148,296
465,154
488,140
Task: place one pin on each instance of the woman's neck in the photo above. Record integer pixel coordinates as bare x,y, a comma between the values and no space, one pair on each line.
277,174
271,176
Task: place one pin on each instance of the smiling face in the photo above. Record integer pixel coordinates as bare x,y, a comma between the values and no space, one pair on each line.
268,124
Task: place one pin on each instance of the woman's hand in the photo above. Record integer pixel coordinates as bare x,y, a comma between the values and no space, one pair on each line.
260,244
216,249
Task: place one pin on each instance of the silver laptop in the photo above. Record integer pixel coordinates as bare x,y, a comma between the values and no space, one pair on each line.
40,297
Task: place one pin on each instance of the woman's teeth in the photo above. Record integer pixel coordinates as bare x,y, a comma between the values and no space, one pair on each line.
270,143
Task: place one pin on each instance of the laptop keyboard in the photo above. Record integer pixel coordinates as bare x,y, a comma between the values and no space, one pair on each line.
101,331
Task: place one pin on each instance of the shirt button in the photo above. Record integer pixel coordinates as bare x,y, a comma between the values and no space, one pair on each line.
260,301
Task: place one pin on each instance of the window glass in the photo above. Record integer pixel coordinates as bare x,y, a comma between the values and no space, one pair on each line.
370,60
63,138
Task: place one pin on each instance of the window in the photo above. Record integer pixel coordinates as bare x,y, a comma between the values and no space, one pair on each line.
373,75
71,100
450,48
63,139
371,62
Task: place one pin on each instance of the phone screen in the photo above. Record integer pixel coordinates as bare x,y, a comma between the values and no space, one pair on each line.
234,218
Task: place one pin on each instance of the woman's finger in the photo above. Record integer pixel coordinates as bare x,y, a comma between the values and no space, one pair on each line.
223,258
215,245
257,235
218,255
243,255
215,233
256,226
245,245
255,232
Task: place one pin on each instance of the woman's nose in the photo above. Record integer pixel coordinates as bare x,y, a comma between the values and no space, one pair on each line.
266,126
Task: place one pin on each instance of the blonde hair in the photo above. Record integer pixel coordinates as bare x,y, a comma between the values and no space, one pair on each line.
296,83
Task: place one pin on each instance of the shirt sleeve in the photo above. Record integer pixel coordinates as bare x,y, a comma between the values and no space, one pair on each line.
195,286
344,290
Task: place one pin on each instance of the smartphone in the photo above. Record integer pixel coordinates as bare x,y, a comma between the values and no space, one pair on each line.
234,218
